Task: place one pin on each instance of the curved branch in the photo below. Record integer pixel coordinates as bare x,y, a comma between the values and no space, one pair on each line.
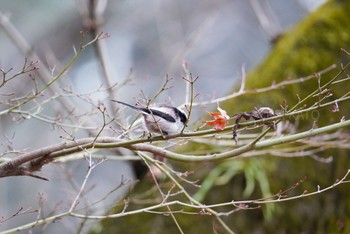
23,165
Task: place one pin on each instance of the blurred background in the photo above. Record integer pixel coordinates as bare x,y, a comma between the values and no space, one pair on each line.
148,41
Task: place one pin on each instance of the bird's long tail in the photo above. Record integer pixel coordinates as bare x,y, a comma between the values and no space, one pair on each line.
133,107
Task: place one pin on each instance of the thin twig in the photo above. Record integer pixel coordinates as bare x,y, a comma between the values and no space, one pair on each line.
274,86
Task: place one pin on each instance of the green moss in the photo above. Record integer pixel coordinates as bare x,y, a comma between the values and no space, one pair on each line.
311,46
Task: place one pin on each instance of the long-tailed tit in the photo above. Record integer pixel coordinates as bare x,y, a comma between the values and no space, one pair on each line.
161,119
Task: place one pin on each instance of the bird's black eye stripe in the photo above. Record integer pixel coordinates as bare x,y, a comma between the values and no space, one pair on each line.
162,115
182,116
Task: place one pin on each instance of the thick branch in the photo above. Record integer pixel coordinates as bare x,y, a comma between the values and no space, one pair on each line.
15,166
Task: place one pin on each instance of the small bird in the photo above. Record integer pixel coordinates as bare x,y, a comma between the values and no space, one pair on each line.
161,119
